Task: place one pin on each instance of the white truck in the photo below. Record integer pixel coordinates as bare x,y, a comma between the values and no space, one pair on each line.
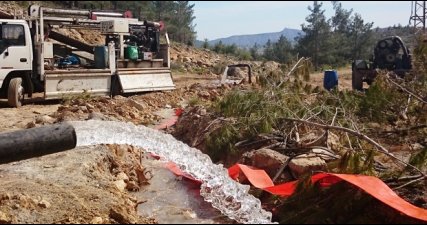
35,59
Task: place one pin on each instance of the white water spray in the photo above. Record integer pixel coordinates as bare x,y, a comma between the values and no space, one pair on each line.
226,195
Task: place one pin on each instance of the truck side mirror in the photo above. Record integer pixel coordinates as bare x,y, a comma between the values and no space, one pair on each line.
7,52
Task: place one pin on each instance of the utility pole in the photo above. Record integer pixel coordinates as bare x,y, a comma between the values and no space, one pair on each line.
418,16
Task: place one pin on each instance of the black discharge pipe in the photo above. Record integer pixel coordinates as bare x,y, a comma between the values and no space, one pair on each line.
72,42
34,142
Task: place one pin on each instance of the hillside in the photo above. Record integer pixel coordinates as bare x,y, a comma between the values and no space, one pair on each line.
247,41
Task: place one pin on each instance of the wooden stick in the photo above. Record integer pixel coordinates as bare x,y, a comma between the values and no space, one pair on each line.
410,182
400,131
291,71
281,169
335,116
407,91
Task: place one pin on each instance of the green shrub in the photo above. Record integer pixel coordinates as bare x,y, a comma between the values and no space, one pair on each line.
382,102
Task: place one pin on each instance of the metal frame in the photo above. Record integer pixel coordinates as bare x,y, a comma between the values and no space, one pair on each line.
418,15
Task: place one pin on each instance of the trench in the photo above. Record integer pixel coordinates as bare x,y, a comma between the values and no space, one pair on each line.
172,200
224,194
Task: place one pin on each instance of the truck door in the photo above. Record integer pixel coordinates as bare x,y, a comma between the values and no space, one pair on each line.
15,52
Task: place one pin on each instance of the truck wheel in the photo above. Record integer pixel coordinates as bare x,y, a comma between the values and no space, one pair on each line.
356,81
15,94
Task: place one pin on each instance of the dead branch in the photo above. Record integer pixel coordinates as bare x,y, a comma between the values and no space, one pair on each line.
335,116
324,148
349,142
410,182
281,169
407,105
361,136
291,71
323,136
407,91
405,130
402,178
295,66
248,142
220,119
315,115
273,145
297,134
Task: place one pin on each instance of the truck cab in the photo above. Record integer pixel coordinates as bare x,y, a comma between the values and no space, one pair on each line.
16,60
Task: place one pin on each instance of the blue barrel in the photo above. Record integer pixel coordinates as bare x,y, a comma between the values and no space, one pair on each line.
101,57
330,80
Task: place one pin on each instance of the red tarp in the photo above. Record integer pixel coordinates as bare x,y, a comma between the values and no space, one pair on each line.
371,185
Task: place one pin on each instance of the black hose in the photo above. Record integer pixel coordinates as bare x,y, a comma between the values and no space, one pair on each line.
34,142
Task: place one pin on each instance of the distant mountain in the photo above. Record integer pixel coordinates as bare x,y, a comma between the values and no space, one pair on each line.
247,41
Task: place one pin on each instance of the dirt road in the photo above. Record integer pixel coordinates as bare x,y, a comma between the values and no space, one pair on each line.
15,119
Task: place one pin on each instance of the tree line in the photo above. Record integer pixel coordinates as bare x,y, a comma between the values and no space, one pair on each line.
178,16
337,40
328,42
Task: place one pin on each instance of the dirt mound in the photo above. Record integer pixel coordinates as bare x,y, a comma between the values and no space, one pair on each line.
91,37
195,60
193,127
118,108
204,61
138,109
78,186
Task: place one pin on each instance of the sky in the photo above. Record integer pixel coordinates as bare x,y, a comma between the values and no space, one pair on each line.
219,19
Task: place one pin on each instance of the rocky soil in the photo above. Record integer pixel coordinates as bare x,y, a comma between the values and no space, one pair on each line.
85,185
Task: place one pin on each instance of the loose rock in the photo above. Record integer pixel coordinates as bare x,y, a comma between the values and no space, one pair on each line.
306,163
266,159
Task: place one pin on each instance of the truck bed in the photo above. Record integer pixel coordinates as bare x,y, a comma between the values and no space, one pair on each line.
99,82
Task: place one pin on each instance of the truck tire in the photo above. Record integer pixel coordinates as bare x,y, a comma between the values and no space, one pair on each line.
15,93
356,81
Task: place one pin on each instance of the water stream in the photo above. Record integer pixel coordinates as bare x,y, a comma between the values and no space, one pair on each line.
174,200
226,195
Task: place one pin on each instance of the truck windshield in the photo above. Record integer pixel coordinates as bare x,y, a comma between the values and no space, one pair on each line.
11,35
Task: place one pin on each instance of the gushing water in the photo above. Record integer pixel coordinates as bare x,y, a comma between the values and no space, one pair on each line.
228,196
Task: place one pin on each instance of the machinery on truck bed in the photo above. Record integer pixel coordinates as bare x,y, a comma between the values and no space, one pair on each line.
389,54
34,58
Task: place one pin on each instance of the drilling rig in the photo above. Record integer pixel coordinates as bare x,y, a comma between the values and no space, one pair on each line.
391,53
35,58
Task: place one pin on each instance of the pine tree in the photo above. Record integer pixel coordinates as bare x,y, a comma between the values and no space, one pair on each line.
205,44
282,50
254,52
316,41
183,21
218,47
340,23
361,37
268,50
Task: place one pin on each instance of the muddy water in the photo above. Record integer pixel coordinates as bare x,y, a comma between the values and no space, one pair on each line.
223,193
172,200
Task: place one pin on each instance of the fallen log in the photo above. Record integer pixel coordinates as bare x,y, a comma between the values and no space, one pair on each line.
34,142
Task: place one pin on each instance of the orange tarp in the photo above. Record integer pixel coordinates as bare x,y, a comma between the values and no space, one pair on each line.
371,185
